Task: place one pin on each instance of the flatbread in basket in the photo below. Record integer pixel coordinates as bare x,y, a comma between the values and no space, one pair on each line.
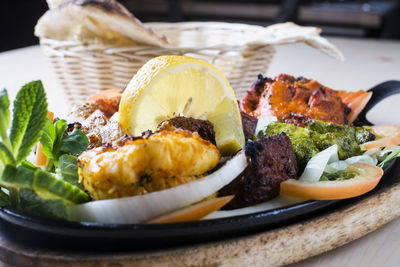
95,45
96,21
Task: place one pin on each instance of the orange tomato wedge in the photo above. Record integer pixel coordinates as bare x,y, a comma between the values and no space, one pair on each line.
388,135
367,178
41,159
195,212
106,94
388,141
356,101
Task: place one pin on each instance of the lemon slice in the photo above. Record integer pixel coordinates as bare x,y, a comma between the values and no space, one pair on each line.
170,86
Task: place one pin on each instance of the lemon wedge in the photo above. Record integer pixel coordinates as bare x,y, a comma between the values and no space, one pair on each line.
170,86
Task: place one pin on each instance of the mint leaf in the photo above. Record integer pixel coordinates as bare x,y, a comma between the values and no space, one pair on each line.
17,177
4,116
32,204
60,127
44,183
29,117
29,165
56,141
49,187
48,139
68,170
4,199
74,143
6,156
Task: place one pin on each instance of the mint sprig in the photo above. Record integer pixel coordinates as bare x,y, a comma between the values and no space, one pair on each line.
57,142
29,116
29,188
4,117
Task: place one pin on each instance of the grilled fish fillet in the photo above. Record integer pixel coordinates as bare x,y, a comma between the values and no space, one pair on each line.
147,164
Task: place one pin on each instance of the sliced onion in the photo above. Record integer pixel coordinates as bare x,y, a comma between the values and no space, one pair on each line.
137,209
385,152
341,165
381,153
278,202
373,152
362,158
264,121
316,165
336,166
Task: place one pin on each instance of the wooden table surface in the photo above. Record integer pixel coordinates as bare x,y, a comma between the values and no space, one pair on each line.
368,63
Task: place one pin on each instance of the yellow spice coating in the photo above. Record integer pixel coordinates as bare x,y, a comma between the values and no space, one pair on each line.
161,161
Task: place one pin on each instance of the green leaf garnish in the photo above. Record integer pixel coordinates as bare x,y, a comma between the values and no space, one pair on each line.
32,204
74,143
57,142
389,158
45,184
68,170
48,139
4,199
49,187
6,155
17,177
29,117
4,117
27,187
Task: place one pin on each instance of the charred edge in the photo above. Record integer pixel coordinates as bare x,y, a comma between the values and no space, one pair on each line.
109,6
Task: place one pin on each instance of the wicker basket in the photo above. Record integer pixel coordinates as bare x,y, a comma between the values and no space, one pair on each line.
241,51
84,70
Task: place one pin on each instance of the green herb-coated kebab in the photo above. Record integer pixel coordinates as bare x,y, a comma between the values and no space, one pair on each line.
319,135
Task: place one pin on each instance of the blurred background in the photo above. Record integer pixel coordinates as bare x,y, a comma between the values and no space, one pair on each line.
357,19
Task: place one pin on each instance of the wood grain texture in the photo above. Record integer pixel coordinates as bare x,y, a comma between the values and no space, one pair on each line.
273,248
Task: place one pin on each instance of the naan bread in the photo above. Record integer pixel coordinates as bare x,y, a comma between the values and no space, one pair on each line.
285,33
55,3
96,22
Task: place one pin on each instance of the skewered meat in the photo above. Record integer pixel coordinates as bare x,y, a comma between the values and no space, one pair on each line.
101,131
203,127
108,106
271,161
249,125
294,100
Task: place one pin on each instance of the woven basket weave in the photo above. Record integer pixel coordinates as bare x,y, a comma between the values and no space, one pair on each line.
83,70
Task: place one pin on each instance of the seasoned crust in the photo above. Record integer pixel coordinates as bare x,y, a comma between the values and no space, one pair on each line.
109,6
203,127
146,164
249,125
294,100
271,161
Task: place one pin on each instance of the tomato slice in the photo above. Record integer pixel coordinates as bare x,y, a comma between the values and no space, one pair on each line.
195,212
366,179
388,141
385,130
356,101
41,159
